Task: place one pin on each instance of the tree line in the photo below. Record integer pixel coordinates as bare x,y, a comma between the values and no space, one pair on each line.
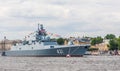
114,42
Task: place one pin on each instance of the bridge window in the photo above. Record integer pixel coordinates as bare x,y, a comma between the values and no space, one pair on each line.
51,46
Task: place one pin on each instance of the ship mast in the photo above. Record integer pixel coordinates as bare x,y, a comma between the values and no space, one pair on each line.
41,33
38,27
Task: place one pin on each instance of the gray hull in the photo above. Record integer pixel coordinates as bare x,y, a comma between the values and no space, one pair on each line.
73,51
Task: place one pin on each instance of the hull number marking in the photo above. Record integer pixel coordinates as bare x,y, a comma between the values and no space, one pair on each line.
60,51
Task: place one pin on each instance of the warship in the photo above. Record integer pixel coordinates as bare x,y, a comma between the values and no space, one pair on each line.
42,46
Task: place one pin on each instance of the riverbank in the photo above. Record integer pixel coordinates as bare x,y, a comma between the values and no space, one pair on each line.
86,63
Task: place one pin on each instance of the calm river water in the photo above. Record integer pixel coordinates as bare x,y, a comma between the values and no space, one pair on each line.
86,63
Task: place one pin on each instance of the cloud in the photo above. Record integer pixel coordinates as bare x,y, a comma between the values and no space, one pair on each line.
65,17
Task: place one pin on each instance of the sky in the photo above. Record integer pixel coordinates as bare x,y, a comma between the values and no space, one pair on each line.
67,18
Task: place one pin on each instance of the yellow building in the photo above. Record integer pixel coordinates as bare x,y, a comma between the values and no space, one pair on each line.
102,46
6,44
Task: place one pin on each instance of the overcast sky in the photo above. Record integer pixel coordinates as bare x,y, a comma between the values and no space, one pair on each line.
64,17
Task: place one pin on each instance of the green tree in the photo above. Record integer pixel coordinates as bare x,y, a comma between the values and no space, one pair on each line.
118,42
93,49
113,45
93,41
96,40
110,36
60,41
99,39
